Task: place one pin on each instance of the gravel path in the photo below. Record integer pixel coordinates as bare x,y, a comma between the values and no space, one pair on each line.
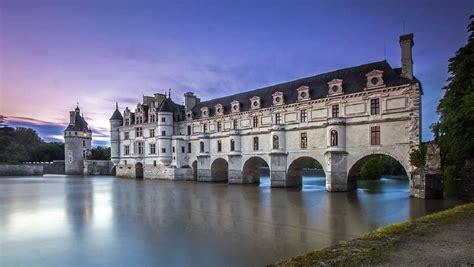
449,245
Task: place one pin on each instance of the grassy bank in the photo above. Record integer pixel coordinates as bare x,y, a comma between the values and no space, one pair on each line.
370,248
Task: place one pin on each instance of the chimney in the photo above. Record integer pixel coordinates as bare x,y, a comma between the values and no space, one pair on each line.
72,117
406,44
190,100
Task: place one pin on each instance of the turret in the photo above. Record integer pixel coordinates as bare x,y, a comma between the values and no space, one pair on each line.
77,143
115,122
165,130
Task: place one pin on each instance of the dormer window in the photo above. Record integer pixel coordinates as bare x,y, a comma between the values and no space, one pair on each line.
255,102
235,106
189,115
219,109
278,98
205,112
375,79
335,87
303,93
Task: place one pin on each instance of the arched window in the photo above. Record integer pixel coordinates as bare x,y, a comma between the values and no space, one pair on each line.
232,145
276,142
201,144
334,138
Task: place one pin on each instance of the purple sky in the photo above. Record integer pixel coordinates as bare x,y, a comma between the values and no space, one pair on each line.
57,53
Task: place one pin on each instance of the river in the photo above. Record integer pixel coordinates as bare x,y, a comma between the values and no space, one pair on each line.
105,221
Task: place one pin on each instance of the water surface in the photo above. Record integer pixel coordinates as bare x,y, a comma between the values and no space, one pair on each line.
105,221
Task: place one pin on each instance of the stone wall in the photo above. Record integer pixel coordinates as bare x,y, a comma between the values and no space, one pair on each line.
57,167
21,169
98,167
125,171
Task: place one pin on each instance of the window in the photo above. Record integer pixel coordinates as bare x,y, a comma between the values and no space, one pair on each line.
182,149
127,121
276,142
374,106
154,163
163,150
201,146
304,140
255,143
277,118
255,122
84,154
139,120
189,129
232,145
219,146
189,147
75,133
204,127
163,119
126,135
83,143
334,138
152,118
235,124
163,133
335,111
219,126
140,148
303,115
375,135
174,149
125,162
126,150
138,132
152,148
152,132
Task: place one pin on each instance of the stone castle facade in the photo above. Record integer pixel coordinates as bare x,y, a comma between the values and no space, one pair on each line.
340,118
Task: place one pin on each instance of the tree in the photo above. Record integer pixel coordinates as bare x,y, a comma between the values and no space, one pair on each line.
47,152
100,153
17,144
456,109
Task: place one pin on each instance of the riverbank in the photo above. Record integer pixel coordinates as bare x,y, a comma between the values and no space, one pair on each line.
445,238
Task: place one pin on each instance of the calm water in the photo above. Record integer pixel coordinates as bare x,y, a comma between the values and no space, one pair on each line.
104,221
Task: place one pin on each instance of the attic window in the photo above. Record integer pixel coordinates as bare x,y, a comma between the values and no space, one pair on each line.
374,80
219,110
255,103
205,113
236,107
335,88
303,94
277,99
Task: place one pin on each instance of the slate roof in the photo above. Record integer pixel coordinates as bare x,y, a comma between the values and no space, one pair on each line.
117,115
353,80
80,125
167,105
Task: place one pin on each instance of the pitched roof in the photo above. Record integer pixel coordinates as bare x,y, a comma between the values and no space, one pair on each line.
79,125
116,116
167,105
353,80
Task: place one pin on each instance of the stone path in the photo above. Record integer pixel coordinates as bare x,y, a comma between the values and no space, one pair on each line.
449,245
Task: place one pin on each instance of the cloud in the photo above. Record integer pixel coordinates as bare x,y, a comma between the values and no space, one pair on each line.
49,131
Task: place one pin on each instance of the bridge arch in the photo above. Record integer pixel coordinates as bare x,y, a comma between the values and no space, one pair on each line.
355,165
296,168
251,169
139,170
220,170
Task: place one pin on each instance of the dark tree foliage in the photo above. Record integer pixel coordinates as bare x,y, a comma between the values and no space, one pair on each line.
314,165
456,109
100,153
374,168
47,152
17,144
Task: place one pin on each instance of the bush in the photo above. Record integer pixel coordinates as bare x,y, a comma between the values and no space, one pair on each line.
418,156
450,174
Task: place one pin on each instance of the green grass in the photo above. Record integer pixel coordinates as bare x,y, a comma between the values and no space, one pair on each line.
369,249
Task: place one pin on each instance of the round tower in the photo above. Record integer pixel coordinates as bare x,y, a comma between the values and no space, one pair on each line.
115,122
165,130
77,143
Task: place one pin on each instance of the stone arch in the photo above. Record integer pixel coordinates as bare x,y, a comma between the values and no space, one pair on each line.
251,169
139,170
220,170
355,165
295,169
194,166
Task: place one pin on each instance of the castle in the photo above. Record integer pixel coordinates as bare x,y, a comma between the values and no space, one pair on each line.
77,142
340,118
